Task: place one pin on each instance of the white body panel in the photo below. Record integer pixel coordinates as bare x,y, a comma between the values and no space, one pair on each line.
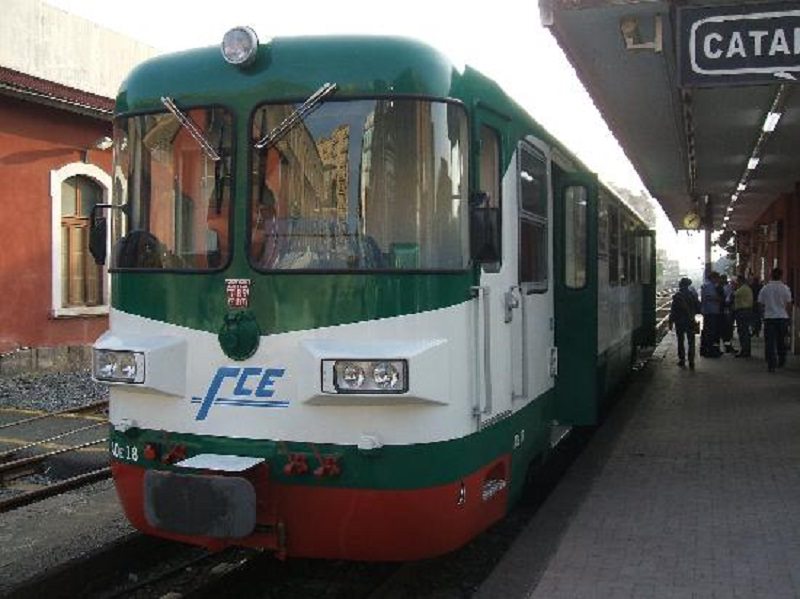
438,406
619,309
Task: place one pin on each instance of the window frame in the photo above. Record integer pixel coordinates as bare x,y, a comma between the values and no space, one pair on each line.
496,201
120,180
251,157
572,242
614,218
57,178
540,286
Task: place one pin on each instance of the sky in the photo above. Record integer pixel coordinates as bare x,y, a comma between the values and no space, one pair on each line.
506,43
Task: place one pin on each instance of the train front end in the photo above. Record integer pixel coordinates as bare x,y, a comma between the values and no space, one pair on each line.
291,345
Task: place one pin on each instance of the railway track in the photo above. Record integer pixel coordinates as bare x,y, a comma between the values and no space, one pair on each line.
47,453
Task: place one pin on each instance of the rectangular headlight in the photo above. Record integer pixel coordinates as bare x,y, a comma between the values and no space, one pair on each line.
368,376
118,366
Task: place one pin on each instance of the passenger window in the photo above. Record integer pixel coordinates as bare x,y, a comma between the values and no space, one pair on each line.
533,220
575,238
625,262
613,245
489,175
645,260
602,227
485,220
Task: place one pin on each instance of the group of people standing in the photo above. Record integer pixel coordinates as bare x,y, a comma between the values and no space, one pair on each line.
723,304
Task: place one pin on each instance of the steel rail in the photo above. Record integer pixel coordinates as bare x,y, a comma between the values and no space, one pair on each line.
54,489
39,442
20,467
65,411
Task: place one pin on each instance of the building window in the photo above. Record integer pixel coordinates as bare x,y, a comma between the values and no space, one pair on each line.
79,285
81,278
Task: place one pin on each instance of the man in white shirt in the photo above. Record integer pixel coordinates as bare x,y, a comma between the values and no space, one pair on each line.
775,299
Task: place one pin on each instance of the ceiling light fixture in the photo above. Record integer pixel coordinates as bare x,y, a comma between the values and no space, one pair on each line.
771,121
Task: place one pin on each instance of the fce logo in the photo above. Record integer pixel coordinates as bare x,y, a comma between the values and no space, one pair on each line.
251,384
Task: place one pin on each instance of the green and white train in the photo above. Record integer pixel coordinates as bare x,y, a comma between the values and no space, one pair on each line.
356,292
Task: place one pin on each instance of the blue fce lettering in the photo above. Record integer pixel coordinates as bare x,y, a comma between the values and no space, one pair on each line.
244,389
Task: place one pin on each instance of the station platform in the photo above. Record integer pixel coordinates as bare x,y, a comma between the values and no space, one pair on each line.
691,488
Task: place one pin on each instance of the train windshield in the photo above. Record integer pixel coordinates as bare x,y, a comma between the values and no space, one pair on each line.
172,184
357,185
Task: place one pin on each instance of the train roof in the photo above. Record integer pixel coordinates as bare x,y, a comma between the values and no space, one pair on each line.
288,69
292,68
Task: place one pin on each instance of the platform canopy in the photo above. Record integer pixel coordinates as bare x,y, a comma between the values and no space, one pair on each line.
686,88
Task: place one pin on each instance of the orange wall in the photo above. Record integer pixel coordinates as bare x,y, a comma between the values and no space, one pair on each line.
786,251
34,140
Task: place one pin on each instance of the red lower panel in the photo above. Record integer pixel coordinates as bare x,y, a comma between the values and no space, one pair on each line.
358,524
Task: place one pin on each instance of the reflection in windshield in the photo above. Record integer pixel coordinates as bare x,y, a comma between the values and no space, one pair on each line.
361,185
177,197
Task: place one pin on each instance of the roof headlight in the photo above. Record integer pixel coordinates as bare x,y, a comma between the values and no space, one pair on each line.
240,46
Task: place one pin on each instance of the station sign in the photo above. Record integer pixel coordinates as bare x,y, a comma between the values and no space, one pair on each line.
740,44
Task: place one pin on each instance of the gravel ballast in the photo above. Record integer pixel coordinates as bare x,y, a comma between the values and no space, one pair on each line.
50,391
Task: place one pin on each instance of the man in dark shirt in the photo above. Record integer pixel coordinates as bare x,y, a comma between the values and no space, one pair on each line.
682,311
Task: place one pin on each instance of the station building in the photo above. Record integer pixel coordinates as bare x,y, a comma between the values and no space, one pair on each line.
702,96
58,78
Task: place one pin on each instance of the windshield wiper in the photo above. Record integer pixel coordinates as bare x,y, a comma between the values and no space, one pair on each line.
191,127
297,116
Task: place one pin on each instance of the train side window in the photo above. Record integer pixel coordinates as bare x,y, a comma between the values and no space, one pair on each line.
624,248
489,174
646,260
613,245
533,220
602,227
629,252
489,187
575,236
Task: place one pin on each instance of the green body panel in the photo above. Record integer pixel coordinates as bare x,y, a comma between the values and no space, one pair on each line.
389,467
290,69
282,302
614,365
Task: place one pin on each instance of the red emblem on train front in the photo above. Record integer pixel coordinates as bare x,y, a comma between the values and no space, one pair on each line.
238,291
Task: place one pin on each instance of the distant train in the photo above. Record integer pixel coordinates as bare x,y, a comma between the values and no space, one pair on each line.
356,293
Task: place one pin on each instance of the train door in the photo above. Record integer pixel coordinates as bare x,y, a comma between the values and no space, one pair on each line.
532,327
647,250
576,297
496,179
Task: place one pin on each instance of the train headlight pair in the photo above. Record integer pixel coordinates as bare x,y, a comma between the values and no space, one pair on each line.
370,376
118,366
